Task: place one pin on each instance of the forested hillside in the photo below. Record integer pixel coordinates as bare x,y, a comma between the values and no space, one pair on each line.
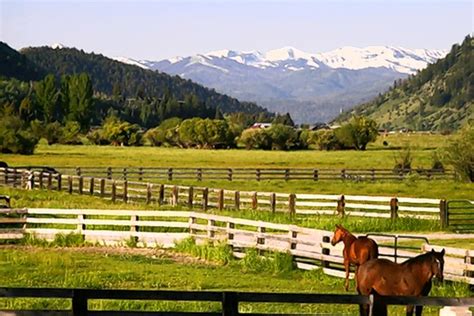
15,65
111,77
440,97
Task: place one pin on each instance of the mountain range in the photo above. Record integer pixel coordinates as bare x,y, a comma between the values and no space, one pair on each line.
311,87
439,97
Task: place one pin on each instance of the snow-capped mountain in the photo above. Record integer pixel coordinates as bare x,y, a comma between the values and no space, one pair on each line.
311,86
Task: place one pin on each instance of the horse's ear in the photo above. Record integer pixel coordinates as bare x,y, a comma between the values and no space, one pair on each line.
432,250
443,252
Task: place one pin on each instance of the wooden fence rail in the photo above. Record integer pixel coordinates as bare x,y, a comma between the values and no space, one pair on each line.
229,300
205,198
311,248
150,174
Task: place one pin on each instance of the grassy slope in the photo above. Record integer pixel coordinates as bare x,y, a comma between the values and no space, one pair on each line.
78,268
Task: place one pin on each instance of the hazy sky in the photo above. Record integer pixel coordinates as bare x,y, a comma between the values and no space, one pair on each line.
161,29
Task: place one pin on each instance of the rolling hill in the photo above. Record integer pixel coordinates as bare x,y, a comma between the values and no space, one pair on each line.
439,97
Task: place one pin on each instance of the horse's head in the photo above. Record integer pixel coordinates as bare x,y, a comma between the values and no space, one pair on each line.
437,266
338,234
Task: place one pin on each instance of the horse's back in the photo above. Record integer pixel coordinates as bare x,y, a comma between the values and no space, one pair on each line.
365,249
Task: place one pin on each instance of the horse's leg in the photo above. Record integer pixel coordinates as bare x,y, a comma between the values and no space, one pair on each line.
346,266
418,310
410,310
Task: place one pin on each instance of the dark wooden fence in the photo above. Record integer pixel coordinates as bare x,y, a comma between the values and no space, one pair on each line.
229,300
205,198
257,174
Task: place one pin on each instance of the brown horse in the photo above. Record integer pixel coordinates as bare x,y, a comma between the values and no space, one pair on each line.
410,278
356,250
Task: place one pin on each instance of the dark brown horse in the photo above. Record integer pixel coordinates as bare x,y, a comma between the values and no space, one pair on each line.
356,250
410,278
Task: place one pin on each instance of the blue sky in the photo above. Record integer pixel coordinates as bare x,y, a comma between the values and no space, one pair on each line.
161,29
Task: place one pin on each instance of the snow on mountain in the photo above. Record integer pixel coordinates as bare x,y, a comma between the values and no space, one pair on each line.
130,61
310,86
58,46
399,59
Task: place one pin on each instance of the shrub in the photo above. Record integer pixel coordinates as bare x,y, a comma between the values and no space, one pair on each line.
255,138
117,132
403,160
357,133
283,137
16,137
460,154
325,140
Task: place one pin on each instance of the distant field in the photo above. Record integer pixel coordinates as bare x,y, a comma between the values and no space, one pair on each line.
377,156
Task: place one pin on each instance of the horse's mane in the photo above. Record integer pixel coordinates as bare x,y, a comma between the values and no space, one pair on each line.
418,259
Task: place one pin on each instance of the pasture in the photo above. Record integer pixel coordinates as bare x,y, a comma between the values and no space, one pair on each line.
46,265
89,267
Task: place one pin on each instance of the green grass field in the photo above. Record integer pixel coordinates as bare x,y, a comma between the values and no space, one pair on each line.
377,155
96,268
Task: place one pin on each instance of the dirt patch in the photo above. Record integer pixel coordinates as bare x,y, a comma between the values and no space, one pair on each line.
152,253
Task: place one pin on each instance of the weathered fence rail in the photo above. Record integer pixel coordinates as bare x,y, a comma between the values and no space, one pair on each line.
258,174
204,198
311,248
229,301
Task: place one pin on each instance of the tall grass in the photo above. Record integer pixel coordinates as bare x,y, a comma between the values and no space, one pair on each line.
220,252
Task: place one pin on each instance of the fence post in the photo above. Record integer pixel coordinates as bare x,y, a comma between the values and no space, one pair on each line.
134,228
230,234
343,174
191,221
443,213
102,187
149,190
50,180
273,202
260,239
125,191
60,182
254,200
230,304
210,228
41,180
114,190
257,174
287,174
393,209
220,200
292,204
326,251
125,173
140,174
161,195
293,237
91,186
174,195
109,173
199,174
79,303
69,184
191,197
229,174
373,174
341,203
81,184
170,174
315,175
78,171
469,260
80,223
237,200
205,198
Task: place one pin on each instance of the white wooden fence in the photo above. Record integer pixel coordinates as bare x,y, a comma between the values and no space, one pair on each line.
164,228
